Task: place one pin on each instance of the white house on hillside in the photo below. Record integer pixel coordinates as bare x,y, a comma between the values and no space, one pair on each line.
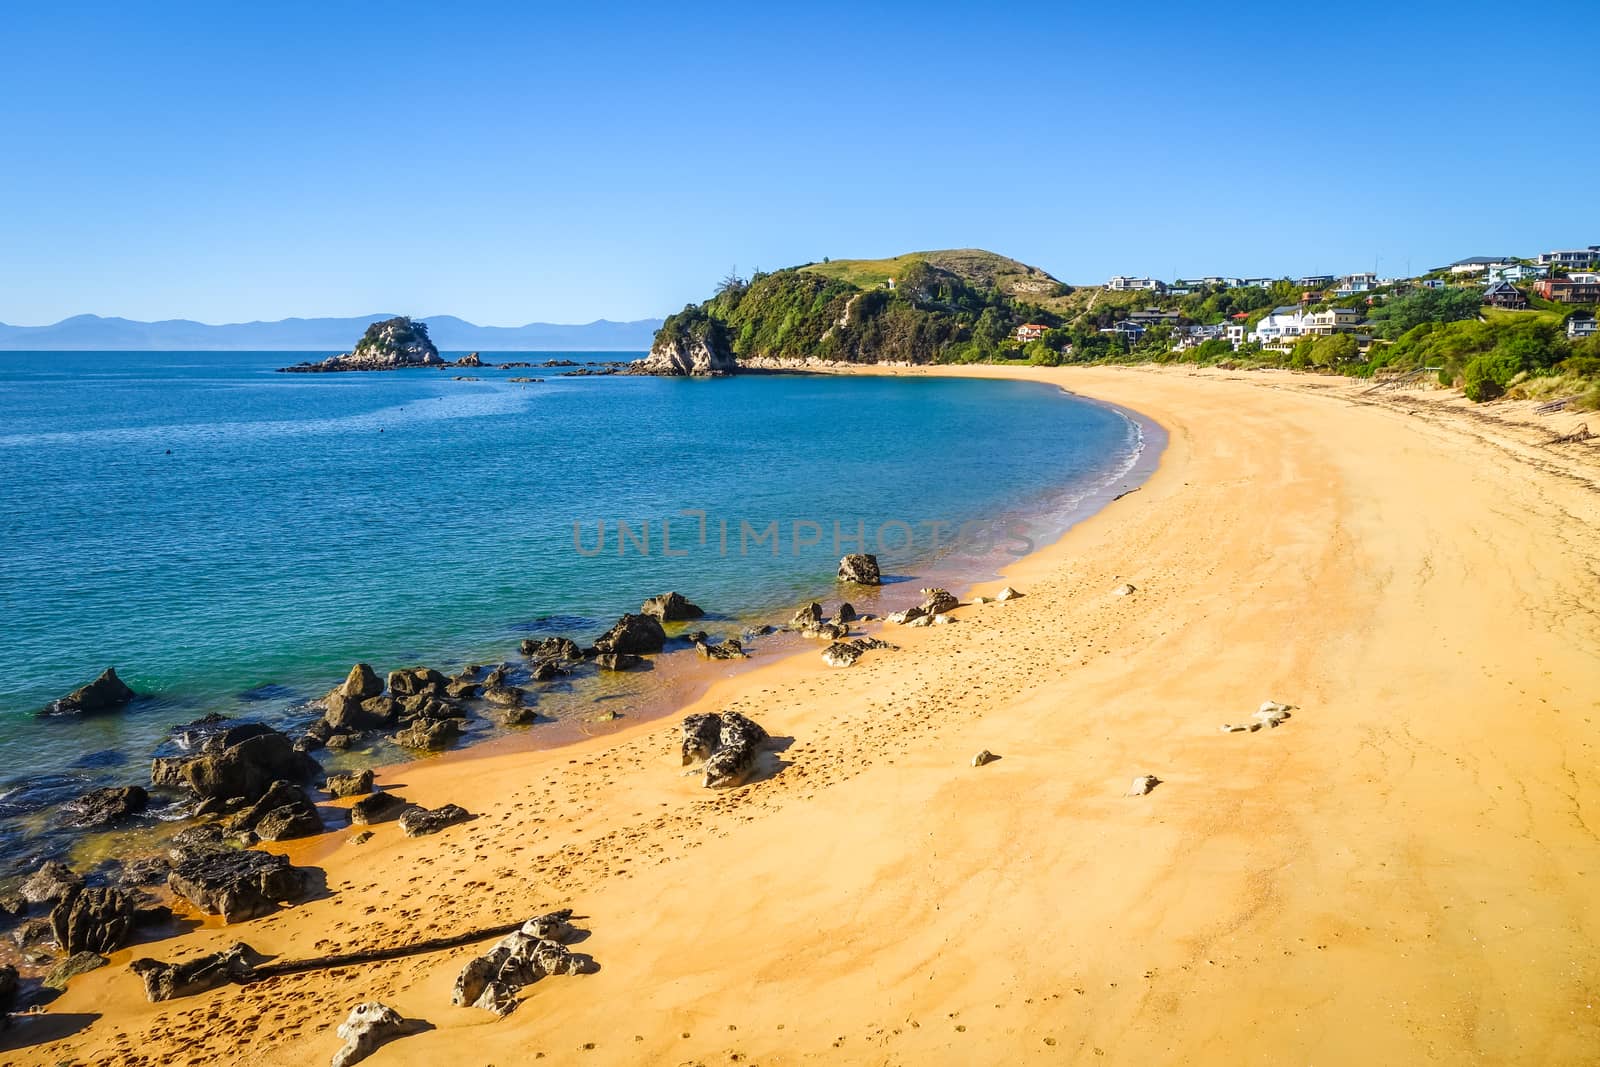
1282,327
1517,272
1121,284
1572,257
1332,320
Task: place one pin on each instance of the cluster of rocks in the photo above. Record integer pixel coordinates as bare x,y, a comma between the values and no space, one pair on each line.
392,344
933,611
1269,715
728,742
846,653
1001,597
493,980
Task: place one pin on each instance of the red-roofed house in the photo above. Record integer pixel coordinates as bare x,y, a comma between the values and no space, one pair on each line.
1030,331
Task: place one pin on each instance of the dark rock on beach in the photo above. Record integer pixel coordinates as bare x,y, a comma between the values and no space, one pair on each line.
166,981
416,681
618,661
377,807
352,784
93,920
283,812
634,634
807,616
552,648
105,693
671,607
429,735
237,885
51,882
728,649
100,807
417,821
241,762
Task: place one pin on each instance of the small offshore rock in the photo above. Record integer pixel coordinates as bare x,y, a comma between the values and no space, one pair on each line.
860,568
617,661
505,696
100,807
417,821
429,735
369,1026
807,616
633,634
671,607
105,693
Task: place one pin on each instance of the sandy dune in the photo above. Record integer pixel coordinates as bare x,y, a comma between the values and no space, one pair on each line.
1408,870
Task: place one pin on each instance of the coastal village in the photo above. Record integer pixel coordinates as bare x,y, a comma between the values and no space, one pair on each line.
1563,282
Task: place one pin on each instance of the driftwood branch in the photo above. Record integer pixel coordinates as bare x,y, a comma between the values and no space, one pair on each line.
1580,434
378,955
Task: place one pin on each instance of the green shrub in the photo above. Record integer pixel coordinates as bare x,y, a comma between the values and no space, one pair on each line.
1486,377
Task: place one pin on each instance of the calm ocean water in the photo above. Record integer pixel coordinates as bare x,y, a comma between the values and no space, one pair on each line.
232,539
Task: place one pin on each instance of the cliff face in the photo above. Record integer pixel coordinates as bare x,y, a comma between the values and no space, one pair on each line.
689,344
387,345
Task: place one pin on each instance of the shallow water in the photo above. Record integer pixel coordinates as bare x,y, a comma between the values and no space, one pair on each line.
232,539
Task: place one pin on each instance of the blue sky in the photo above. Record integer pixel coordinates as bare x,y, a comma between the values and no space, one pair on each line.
511,163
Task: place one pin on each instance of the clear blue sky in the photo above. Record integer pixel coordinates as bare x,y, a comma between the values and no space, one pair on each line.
508,164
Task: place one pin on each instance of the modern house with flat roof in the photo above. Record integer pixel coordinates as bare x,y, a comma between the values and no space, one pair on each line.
1123,284
1571,257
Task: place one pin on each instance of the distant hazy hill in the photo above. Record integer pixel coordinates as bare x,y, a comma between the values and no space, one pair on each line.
958,304
94,333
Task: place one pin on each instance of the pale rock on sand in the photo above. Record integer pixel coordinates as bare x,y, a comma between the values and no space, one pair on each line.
1007,593
492,981
845,653
370,1025
1143,784
1270,714
983,757
1125,589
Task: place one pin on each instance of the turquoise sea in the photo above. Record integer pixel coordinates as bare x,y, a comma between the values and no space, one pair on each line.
232,539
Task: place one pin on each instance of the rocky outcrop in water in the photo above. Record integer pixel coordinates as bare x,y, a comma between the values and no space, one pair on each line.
101,807
860,568
732,648
671,607
689,344
633,634
242,762
105,693
392,344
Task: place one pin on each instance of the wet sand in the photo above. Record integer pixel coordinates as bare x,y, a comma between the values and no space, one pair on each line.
1406,870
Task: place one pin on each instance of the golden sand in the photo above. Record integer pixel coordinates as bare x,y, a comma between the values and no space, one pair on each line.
1408,870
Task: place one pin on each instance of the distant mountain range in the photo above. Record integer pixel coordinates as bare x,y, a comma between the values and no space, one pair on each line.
329,336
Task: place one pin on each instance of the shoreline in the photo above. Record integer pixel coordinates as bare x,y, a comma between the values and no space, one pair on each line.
893,894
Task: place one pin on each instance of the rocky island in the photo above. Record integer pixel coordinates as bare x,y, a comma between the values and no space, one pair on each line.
392,344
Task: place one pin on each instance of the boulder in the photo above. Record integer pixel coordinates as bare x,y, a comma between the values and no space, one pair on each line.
232,767
459,688
556,648
417,821
351,784
12,908
361,683
369,1026
809,615
523,716
50,883
345,713
544,670
729,649
469,360
166,981
825,631
93,920
938,601
376,807
845,614
1143,784
702,733
33,932
730,765
617,661
416,680
288,822
429,735
105,693
146,870
906,617
506,696
860,568
1125,589
492,981
99,807
237,885
166,772
737,729
78,963
633,634
846,653
671,607
983,757
1007,593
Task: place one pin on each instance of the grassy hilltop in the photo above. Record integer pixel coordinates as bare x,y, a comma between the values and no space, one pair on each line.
957,304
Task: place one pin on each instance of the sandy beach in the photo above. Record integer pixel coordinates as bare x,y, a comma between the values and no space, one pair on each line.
1407,870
